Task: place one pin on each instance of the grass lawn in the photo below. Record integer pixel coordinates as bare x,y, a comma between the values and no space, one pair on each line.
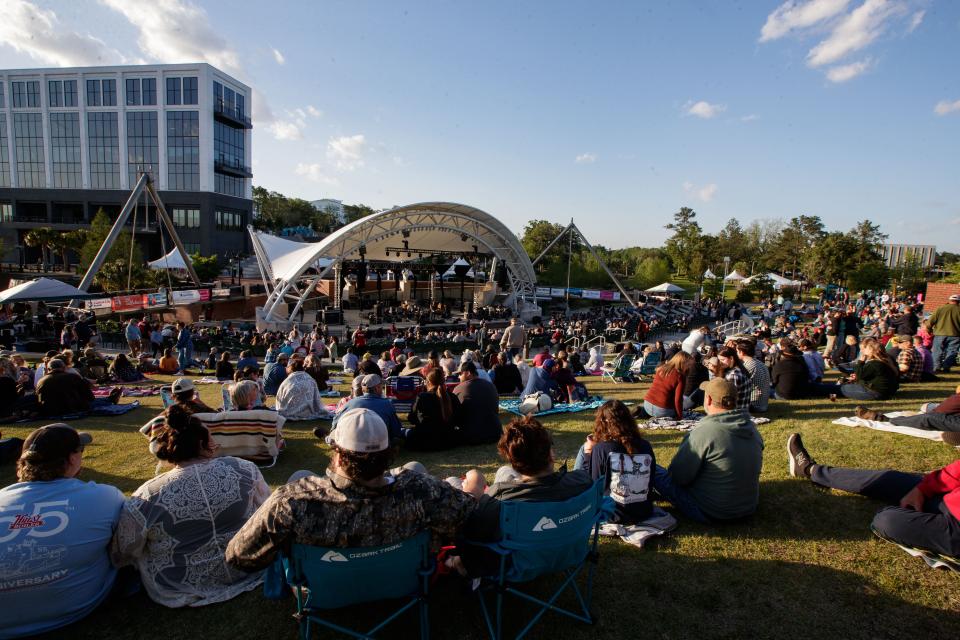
806,564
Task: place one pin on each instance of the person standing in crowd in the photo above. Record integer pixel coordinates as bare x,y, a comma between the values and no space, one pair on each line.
133,336
184,347
945,323
514,338
56,565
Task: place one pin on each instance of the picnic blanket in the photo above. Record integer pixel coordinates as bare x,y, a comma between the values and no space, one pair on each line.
130,392
687,423
658,524
330,393
106,410
927,434
206,380
513,406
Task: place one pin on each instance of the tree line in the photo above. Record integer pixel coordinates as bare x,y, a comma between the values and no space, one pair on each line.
276,212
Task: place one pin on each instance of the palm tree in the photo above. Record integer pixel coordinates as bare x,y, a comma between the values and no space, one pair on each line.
42,237
69,241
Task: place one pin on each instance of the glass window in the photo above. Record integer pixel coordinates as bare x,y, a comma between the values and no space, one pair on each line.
25,94
4,153
93,93
229,221
183,150
230,185
149,90
28,145
55,93
192,247
186,218
132,92
3,102
6,212
229,99
65,150
33,93
109,93
70,93
104,146
173,91
190,91
143,147
218,95
241,108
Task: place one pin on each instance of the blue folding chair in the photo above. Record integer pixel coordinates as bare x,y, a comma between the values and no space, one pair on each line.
649,365
538,538
327,578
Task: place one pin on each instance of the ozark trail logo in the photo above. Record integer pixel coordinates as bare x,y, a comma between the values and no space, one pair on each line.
333,556
544,523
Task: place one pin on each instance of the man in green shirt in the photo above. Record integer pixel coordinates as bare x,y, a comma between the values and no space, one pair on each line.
945,322
715,474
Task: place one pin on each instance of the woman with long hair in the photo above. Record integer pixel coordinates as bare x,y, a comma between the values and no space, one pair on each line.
123,371
433,416
732,369
664,398
617,451
875,376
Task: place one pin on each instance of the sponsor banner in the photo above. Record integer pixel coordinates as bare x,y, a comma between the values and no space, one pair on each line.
186,297
575,292
221,293
616,295
99,303
204,294
557,293
543,292
591,294
127,303
155,299
606,295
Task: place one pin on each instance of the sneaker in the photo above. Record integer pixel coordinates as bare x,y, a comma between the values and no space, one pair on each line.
951,437
800,460
869,414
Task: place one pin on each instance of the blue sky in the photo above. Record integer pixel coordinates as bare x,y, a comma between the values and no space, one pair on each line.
614,114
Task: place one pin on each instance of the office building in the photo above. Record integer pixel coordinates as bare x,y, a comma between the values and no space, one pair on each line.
896,255
334,207
72,141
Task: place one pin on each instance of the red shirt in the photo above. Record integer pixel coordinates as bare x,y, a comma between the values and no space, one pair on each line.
667,391
950,406
539,358
945,482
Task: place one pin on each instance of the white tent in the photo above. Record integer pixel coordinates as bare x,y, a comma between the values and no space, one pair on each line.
452,273
43,290
666,287
709,274
778,281
733,276
172,260
285,257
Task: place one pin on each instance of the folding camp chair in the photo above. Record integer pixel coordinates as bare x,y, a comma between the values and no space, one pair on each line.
326,578
620,369
403,390
538,538
649,365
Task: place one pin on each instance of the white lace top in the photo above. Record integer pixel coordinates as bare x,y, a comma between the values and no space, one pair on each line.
175,529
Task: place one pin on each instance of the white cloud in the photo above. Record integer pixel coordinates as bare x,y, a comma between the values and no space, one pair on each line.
285,130
705,192
854,32
795,15
945,106
278,56
915,20
346,152
313,111
847,71
586,158
39,34
315,173
703,109
749,117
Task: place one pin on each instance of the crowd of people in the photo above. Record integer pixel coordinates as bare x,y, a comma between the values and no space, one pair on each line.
207,529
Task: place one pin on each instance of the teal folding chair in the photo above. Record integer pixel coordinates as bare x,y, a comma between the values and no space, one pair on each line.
649,365
621,368
325,578
539,538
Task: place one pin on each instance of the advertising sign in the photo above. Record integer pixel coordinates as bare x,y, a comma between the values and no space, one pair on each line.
127,303
99,303
186,297
204,294
155,299
591,294
557,293
221,293
543,292
576,292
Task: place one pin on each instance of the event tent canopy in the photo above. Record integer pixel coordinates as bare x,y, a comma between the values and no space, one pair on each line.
43,290
733,276
666,287
172,260
778,281
709,274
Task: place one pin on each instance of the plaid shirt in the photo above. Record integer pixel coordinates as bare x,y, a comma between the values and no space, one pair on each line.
914,363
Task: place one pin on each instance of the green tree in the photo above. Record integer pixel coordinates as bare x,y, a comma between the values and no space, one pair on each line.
832,259
762,287
797,237
686,243
871,275
652,271
953,272
206,267
868,239
95,236
42,238
537,235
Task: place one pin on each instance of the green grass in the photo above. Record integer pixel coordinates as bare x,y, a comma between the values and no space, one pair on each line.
805,564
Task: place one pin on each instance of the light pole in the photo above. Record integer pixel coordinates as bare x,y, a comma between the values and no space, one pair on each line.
723,288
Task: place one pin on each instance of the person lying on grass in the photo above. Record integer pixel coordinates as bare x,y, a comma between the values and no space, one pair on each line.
937,417
925,514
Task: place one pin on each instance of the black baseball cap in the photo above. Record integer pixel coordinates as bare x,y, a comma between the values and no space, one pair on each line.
54,442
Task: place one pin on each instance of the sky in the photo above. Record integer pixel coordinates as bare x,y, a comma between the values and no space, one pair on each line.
614,114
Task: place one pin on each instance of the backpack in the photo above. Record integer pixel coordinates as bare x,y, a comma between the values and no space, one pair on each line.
535,403
629,477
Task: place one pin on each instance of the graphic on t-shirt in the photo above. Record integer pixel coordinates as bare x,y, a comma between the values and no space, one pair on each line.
30,558
629,477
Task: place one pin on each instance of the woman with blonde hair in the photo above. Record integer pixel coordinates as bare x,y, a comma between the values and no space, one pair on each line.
664,398
874,377
433,415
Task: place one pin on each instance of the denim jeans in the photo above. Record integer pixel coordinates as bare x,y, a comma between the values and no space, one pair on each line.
853,391
183,358
659,412
945,352
676,495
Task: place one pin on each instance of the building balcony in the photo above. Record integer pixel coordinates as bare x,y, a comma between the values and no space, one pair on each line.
231,115
229,167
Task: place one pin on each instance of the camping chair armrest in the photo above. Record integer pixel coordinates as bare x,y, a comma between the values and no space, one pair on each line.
607,508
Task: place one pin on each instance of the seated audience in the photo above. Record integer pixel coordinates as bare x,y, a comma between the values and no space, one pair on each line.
448,363
357,503
733,370
506,376
350,361
123,371
926,359
617,451
664,398
185,396
790,375
247,359
298,397
168,363
944,416
313,366
61,572
433,416
172,525
909,361
523,368
60,393
846,356
274,374
715,474
924,511
224,368
813,360
479,417
412,366
758,376
541,379
874,376
246,395
372,398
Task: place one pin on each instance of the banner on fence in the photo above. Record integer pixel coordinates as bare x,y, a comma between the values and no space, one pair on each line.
204,295
590,294
99,303
155,299
127,303
543,292
557,293
186,297
221,293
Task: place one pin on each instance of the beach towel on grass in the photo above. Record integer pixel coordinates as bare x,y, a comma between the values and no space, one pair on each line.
107,410
689,421
513,406
927,434
128,392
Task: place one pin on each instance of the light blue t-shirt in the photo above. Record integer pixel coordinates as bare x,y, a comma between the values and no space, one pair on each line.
54,552
132,332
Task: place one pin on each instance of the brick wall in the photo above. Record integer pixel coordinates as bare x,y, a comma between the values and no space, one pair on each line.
937,294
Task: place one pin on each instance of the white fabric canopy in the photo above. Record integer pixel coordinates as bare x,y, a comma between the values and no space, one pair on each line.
778,281
709,274
287,256
733,276
172,260
42,290
666,287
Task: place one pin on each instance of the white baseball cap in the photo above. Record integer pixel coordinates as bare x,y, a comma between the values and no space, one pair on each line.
370,381
360,430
